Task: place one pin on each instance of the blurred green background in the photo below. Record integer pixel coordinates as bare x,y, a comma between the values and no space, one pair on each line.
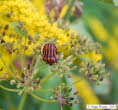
99,22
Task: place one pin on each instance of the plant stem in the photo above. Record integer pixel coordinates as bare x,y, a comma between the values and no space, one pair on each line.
47,90
34,66
41,99
7,89
44,80
20,107
71,3
72,83
32,63
61,107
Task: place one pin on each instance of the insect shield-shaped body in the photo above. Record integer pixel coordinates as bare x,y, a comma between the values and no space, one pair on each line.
50,53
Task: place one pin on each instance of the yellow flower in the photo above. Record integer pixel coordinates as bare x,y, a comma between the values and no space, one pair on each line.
63,11
111,52
92,57
85,91
98,29
116,31
39,4
5,63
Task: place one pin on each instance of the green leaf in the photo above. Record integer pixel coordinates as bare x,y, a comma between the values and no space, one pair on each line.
114,2
106,1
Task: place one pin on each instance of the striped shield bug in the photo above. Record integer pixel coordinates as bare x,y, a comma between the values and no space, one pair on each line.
50,53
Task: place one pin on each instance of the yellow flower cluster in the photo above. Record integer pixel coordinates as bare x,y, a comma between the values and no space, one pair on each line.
93,57
40,5
20,10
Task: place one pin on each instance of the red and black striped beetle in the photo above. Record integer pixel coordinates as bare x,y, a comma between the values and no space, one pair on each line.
50,53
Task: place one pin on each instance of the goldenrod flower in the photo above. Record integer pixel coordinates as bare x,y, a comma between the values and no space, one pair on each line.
33,21
5,63
92,57
39,4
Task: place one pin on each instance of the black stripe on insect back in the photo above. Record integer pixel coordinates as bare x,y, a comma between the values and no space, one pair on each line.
51,50
47,49
49,59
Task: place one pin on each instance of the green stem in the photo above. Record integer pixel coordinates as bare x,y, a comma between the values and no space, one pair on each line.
34,66
71,83
61,107
7,89
69,9
44,80
22,101
41,99
48,90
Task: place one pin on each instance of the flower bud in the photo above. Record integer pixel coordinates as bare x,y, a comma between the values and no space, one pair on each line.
102,65
82,70
31,89
94,77
76,102
39,87
61,75
20,93
69,58
62,84
66,68
74,68
61,56
19,85
71,98
91,70
69,75
69,63
51,98
99,83
83,64
12,82
59,87
65,44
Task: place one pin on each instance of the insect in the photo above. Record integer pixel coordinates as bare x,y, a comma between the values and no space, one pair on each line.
50,53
